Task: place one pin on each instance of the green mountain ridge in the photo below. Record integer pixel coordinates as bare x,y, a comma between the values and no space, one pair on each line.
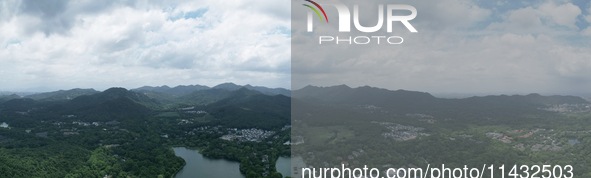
344,99
175,91
247,108
183,90
370,95
241,108
62,94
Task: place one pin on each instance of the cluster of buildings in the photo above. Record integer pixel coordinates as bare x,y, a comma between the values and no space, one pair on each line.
4,125
191,110
206,129
356,154
423,117
569,108
251,135
500,137
86,124
184,122
541,139
419,115
400,132
195,112
372,109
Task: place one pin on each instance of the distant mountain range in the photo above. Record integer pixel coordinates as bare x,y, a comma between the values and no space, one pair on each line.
250,106
185,90
182,94
4,98
370,95
344,99
62,94
232,105
177,91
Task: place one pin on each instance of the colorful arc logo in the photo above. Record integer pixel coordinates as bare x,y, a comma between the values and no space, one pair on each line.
316,10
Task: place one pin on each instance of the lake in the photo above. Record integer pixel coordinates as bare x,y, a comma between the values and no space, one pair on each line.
198,166
284,166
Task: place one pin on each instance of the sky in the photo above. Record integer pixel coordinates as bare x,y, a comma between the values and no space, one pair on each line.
58,44
462,46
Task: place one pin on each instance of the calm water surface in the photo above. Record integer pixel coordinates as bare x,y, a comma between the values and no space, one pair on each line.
200,167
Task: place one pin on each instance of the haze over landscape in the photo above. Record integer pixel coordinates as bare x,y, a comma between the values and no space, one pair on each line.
139,88
462,46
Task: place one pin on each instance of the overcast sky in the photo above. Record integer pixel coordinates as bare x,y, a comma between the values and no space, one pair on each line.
463,46
473,46
58,44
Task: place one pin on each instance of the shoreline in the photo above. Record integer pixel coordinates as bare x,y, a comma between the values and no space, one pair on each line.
199,151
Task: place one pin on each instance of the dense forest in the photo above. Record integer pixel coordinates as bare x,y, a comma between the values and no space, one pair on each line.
131,133
394,129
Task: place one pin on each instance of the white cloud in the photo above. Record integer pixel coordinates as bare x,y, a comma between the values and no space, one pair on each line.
525,20
586,32
563,14
130,44
540,18
452,14
522,51
588,17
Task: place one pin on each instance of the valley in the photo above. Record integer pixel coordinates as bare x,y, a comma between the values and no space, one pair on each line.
131,133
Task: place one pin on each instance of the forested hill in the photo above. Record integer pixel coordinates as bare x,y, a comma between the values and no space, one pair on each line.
183,90
241,108
130,133
372,95
245,108
62,94
408,102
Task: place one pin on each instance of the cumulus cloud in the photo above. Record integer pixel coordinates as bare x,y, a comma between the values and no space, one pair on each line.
450,13
538,17
525,49
587,18
64,44
564,14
